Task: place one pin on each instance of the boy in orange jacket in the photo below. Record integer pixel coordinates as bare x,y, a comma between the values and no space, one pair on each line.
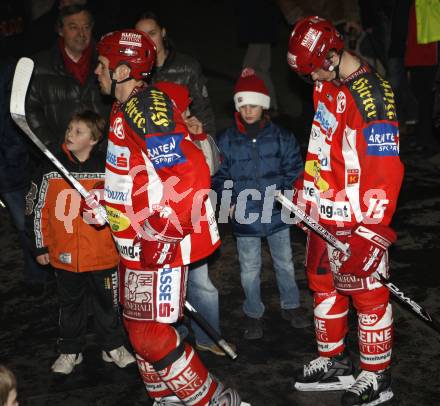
83,255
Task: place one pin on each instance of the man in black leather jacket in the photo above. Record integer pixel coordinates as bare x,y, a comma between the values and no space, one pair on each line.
63,81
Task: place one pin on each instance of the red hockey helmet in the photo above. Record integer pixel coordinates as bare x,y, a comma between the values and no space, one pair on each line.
130,47
311,40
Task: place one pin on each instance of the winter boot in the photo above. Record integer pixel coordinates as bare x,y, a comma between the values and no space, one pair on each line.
370,388
324,374
253,328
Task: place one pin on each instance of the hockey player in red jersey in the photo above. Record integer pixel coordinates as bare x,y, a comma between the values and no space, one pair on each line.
156,188
351,183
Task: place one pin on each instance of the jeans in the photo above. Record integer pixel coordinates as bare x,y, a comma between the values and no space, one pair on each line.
249,255
15,201
203,296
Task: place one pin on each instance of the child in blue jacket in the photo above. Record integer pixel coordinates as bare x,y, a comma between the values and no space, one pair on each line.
259,157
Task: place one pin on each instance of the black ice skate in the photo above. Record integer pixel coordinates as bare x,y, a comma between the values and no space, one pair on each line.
370,388
323,374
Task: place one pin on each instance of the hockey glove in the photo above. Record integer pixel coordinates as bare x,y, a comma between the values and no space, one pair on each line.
156,247
90,209
155,254
367,246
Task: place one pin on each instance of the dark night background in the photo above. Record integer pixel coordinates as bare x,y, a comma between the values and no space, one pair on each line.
262,373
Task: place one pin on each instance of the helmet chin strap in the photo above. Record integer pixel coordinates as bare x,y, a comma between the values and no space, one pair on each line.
115,82
335,68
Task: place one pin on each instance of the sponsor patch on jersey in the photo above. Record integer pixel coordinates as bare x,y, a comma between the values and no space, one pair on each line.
381,139
365,96
118,189
352,177
388,99
316,140
165,150
117,220
313,168
150,112
127,250
309,191
337,211
374,97
326,120
324,157
118,157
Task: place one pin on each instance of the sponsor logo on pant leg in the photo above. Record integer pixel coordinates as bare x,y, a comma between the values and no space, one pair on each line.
139,294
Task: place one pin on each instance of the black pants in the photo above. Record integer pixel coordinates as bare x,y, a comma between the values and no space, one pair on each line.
83,293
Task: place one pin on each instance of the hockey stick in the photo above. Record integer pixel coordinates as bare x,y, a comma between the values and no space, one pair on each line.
344,248
20,84
22,77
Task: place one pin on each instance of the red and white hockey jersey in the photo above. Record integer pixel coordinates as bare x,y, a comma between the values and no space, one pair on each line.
152,164
353,171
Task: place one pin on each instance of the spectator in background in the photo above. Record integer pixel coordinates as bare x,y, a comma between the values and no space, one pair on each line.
338,11
14,179
173,66
8,387
421,61
63,82
260,156
202,293
84,256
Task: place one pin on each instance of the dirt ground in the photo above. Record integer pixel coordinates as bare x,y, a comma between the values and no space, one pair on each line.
262,373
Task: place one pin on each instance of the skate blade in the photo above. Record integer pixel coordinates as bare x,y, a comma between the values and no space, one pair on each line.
344,383
383,397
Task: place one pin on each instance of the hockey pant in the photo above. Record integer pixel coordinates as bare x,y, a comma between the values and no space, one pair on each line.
152,299
331,305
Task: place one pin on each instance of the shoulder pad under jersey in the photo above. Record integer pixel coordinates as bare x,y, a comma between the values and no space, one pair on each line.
373,96
149,111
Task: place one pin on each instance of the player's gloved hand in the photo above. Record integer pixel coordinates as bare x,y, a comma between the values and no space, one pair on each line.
160,242
299,201
303,227
90,207
297,188
155,254
367,246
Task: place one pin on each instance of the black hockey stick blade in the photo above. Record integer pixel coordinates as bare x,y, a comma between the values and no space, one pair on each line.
211,332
